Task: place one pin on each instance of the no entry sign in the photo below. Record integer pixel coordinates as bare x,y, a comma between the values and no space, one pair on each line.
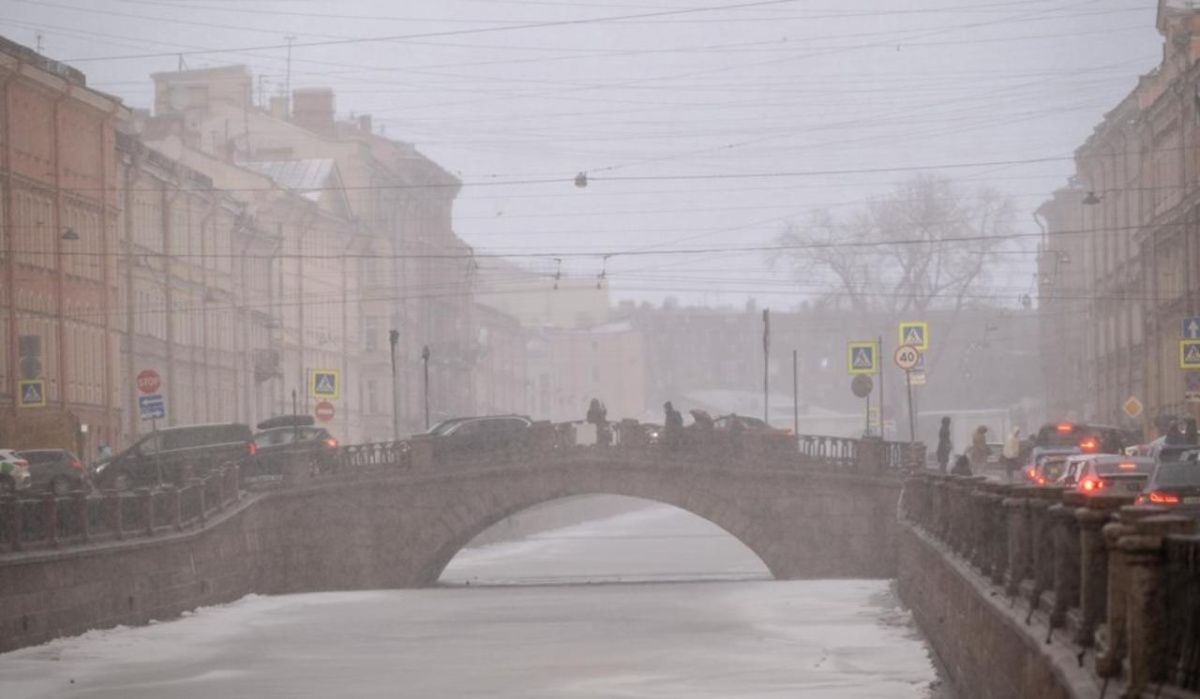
148,381
324,411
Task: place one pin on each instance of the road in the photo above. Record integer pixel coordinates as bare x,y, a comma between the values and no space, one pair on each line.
736,634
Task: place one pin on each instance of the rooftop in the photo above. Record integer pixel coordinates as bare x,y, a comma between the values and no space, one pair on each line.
308,178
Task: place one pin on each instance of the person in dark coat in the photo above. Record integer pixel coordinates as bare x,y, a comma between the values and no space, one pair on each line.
962,466
944,447
672,425
597,415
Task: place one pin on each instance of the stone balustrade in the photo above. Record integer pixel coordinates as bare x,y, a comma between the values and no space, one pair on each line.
1122,581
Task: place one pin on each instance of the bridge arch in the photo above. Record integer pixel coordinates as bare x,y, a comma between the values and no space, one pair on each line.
484,523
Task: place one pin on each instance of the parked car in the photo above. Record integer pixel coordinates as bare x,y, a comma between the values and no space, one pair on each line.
1175,484
174,454
289,438
14,472
1049,464
1108,473
1090,439
56,470
478,435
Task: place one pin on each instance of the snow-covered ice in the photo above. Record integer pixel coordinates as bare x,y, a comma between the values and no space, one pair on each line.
723,638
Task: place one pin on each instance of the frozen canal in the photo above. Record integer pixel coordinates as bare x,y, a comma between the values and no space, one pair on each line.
735,635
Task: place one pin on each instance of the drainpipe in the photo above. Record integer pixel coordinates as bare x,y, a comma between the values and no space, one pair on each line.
14,365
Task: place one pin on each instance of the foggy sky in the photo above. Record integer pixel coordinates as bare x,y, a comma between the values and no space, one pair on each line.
771,89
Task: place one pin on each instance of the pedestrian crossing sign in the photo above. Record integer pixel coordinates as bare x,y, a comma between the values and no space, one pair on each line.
862,358
915,333
324,383
1189,354
32,393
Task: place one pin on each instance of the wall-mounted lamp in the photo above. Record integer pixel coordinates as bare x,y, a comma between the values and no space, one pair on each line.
70,234
1091,199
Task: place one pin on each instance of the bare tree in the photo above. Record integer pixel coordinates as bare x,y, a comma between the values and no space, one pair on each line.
925,245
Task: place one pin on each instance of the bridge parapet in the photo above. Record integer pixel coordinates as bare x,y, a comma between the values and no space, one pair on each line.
1099,568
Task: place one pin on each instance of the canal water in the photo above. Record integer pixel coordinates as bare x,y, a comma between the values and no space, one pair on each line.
650,603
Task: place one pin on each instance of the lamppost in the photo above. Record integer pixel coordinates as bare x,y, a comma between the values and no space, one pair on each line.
425,360
393,339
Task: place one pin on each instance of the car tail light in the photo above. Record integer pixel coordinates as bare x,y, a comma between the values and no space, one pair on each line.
330,442
1031,473
1089,445
1041,481
1126,466
77,464
21,463
251,448
1090,485
1064,427
1158,497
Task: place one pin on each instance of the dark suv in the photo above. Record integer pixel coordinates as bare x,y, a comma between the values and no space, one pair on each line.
290,439
56,470
478,436
174,454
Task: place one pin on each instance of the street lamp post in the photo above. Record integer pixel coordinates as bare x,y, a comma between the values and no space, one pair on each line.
425,360
393,339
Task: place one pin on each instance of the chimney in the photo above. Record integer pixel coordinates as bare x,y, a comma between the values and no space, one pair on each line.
364,123
279,107
312,109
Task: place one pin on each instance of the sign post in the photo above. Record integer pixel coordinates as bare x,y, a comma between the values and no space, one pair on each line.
861,387
907,357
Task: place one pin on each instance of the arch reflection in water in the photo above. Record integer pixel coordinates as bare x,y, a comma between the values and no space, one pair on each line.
602,539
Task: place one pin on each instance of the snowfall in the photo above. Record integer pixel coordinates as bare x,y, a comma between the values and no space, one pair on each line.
599,609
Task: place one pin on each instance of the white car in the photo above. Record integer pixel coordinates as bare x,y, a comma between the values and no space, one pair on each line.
14,472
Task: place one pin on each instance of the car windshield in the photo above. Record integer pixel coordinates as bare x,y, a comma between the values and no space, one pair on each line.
287,435
201,436
41,456
1178,474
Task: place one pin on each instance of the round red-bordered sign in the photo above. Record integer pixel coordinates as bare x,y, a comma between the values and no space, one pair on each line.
324,411
148,381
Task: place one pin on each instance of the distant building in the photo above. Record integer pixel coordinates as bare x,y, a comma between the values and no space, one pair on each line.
1134,213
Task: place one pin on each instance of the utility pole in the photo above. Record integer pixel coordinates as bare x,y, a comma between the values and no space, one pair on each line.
425,360
795,400
766,365
287,83
879,358
393,339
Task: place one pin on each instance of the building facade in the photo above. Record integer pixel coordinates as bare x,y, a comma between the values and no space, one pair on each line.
59,379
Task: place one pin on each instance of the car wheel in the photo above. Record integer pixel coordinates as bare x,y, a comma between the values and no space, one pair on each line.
7,485
121,482
60,486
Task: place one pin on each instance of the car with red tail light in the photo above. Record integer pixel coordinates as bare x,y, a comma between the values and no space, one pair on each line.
1175,484
1109,474
56,470
290,439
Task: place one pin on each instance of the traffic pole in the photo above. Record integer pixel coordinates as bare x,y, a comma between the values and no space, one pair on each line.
879,358
795,401
912,422
766,365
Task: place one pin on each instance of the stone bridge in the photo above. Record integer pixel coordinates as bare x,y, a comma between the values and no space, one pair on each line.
393,516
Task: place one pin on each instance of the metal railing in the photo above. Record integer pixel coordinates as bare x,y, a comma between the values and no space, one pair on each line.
1099,569
50,521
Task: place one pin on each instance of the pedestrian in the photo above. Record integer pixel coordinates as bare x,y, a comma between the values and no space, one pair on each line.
1175,434
1012,453
597,415
944,446
1189,432
978,452
962,466
672,425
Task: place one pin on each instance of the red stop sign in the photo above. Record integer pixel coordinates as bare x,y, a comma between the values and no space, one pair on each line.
324,411
148,381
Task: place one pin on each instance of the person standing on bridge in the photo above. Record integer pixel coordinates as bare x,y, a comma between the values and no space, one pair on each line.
597,415
672,426
979,448
1012,453
944,446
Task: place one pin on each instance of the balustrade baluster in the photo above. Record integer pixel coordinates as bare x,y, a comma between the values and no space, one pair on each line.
1111,658
1066,556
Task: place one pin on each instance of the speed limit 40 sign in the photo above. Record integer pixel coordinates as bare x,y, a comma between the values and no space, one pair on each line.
907,357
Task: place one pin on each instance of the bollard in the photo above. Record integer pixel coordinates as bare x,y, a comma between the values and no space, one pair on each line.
50,518
1041,541
219,484
1146,601
201,500
1018,566
80,500
999,528
1112,658
1093,563
1066,556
